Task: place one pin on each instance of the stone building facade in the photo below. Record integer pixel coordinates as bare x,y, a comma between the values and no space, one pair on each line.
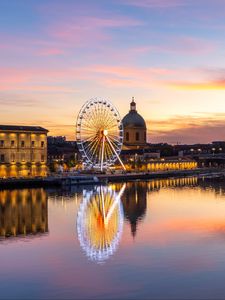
23,151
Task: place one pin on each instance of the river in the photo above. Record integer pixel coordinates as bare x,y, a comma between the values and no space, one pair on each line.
157,239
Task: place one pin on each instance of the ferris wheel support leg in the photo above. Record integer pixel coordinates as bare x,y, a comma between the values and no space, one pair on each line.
116,153
102,154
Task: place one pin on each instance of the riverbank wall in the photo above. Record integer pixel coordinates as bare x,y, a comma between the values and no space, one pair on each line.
84,179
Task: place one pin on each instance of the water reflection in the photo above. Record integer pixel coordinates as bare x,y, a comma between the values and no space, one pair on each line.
178,249
23,212
134,202
100,222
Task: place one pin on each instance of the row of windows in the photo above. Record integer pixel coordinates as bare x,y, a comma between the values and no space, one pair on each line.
22,144
13,158
137,136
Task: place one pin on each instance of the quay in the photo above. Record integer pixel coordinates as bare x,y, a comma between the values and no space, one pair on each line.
93,179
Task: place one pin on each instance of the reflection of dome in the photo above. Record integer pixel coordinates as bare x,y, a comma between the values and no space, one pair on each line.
100,223
134,127
134,204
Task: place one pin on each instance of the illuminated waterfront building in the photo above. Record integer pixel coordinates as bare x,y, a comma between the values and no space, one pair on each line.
23,151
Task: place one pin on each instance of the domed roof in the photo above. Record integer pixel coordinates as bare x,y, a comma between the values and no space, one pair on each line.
133,119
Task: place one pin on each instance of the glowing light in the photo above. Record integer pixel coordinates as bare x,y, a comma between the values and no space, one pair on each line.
100,222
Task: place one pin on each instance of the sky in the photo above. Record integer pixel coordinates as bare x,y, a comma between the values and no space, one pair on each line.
168,54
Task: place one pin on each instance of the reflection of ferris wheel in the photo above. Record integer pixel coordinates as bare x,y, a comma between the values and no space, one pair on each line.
99,134
100,222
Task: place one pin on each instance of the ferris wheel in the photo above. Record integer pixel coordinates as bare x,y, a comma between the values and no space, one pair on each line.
100,222
99,134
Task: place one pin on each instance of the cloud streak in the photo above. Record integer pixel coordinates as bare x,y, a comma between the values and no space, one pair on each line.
188,129
156,3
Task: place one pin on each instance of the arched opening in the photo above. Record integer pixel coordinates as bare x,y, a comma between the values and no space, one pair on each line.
127,136
137,136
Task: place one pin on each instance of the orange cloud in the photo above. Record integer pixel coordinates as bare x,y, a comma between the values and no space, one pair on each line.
210,85
188,129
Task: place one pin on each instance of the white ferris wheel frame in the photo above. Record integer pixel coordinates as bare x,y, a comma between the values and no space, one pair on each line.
106,141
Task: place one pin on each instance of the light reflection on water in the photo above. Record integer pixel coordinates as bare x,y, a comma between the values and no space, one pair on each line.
159,239
100,222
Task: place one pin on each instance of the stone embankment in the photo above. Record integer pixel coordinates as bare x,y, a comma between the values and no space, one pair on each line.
84,179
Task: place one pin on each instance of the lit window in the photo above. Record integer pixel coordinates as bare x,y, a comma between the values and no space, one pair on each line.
42,158
23,157
13,157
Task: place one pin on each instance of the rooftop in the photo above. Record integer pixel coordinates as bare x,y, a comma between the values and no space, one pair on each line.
22,128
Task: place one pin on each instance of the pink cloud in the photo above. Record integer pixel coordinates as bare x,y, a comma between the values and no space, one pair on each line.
50,51
183,45
87,30
20,79
156,3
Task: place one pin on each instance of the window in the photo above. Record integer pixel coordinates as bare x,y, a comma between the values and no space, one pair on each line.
13,157
2,158
23,157
33,144
22,144
42,144
2,143
42,158
137,136
12,143
127,136
33,157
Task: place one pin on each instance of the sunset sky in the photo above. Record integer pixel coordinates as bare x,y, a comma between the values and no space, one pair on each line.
168,54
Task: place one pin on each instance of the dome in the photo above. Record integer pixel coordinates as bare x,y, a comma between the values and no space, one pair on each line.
133,119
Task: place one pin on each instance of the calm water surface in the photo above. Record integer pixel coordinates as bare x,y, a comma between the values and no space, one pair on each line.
158,239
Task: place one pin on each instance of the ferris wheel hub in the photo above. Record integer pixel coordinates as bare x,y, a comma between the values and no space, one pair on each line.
105,132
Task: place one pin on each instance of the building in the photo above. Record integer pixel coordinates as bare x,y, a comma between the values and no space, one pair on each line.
56,140
135,130
61,153
23,151
139,155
